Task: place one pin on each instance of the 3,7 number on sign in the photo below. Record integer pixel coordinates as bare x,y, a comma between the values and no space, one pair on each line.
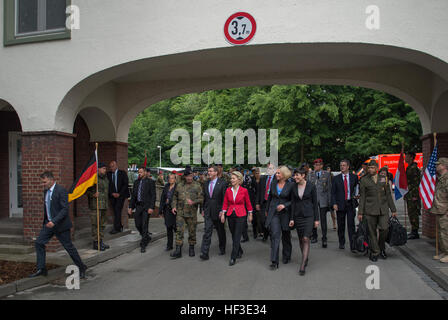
240,28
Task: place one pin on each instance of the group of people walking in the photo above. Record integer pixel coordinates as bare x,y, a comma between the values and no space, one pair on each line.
275,204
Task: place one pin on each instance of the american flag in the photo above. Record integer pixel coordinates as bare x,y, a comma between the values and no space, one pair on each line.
428,183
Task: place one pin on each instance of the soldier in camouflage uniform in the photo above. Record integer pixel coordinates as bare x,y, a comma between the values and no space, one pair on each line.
186,200
102,195
412,198
440,208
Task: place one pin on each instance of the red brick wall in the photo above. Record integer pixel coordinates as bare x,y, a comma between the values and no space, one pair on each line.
9,121
43,151
428,220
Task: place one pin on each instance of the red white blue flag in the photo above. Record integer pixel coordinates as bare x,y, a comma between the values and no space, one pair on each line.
428,183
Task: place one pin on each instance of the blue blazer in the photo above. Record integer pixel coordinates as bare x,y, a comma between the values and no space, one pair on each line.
338,191
58,209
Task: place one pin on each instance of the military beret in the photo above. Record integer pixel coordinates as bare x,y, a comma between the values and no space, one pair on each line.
443,161
187,172
318,161
372,163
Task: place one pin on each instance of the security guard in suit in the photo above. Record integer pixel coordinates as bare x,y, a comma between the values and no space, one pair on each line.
322,181
374,204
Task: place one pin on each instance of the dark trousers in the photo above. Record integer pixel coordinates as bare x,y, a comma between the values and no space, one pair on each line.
255,223
323,224
64,238
170,235
208,231
117,206
261,219
245,230
141,218
236,225
276,234
349,215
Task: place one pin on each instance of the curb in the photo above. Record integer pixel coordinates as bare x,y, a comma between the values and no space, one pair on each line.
29,283
434,275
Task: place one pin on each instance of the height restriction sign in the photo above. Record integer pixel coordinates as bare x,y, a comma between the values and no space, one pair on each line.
240,28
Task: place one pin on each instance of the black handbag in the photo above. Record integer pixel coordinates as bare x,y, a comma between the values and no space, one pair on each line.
360,240
397,235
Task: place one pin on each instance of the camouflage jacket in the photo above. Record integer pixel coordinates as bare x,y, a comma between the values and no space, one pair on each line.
103,189
440,203
184,191
413,176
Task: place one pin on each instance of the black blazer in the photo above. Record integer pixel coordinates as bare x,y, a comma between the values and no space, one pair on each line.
148,194
122,184
58,209
213,205
338,191
164,208
308,205
276,199
262,189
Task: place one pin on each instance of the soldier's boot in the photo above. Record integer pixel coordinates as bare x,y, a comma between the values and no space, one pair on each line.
103,246
95,246
191,253
413,235
177,253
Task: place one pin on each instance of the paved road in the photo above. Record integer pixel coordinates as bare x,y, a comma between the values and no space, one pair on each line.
332,274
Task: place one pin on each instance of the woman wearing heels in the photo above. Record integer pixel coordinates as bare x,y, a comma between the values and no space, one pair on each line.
236,201
278,214
304,213
165,209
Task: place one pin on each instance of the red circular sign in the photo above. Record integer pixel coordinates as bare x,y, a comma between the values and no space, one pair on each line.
240,28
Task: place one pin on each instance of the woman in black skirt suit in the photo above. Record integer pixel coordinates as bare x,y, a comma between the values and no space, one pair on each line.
304,213
165,209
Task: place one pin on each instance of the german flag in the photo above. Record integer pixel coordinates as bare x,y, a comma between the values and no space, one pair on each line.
87,179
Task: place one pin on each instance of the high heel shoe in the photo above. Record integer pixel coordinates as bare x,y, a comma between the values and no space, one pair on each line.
274,266
302,272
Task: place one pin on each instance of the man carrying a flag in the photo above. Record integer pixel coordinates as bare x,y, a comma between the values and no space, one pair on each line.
412,197
102,197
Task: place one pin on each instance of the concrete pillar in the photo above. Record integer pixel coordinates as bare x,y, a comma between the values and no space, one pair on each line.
42,151
428,220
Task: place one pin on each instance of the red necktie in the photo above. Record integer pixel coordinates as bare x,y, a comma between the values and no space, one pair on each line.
266,193
345,187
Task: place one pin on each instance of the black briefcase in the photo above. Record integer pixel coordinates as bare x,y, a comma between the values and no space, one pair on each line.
397,235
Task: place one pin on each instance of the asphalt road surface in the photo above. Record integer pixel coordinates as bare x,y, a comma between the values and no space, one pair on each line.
331,274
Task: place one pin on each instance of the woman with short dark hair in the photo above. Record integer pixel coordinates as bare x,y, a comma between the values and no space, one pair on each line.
165,209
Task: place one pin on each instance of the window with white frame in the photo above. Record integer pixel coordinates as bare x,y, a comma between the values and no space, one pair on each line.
39,16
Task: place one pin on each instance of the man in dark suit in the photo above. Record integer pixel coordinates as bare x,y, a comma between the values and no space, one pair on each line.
118,193
343,193
143,201
214,192
262,197
56,223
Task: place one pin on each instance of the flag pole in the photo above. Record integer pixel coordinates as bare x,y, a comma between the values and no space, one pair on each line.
437,229
404,201
97,200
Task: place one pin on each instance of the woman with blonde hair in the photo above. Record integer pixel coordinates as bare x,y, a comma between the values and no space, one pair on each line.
277,216
235,207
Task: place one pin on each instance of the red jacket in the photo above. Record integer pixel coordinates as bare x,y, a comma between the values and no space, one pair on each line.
241,203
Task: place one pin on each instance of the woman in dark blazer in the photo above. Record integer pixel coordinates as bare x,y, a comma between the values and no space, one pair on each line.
165,209
235,206
304,213
277,216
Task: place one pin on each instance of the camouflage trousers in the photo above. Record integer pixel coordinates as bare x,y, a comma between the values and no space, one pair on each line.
93,221
442,225
414,209
191,223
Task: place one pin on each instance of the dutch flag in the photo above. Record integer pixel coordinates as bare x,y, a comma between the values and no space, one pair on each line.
400,181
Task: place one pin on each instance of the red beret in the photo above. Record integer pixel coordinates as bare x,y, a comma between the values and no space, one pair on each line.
318,161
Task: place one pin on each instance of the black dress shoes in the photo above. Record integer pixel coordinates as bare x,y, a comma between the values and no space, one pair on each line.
204,256
274,266
313,240
232,262
222,252
373,258
40,272
285,260
383,254
324,243
341,246
116,231
245,240
169,248
142,249
82,272
413,235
